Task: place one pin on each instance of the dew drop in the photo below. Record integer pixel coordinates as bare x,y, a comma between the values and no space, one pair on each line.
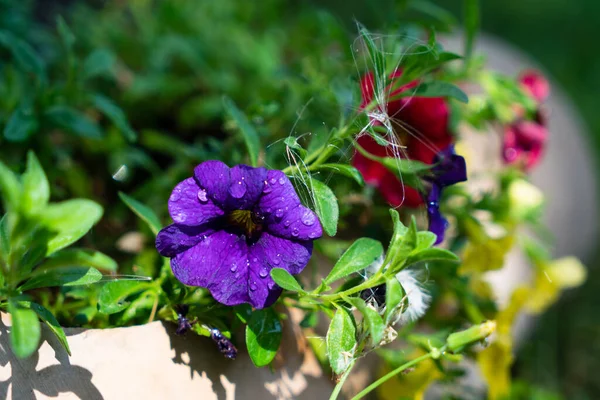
287,223
263,273
308,218
202,196
277,261
295,232
312,235
253,286
267,188
279,213
272,180
233,267
281,181
175,196
271,285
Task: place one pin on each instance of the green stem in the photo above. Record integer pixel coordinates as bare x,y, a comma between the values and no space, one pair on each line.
373,281
338,386
390,375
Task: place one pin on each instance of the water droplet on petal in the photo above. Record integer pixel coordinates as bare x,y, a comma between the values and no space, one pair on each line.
281,181
255,259
295,232
271,285
263,273
233,267
312,235
253,286
267,188
279,213
272,180
277,260
175,196
287,223
308,218
202,196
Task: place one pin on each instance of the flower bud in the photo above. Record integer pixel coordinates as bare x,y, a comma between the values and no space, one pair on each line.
458,340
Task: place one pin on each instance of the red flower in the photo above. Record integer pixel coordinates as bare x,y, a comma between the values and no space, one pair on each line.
524,140
420,124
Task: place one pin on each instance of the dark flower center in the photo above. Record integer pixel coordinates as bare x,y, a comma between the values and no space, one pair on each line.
245,220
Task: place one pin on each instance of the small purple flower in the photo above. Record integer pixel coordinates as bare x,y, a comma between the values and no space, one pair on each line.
450,168
232,226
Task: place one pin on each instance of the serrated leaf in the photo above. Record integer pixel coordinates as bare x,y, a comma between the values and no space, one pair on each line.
62,276
326,206
246,129
284,279
394,297
115,114
362,253
52,324
113,295
99,63
36,189
341,341
79,258
142,211
441,89
371,318
25,332
73,121
345,170
10,188
21,124
432,254
263,336
69,221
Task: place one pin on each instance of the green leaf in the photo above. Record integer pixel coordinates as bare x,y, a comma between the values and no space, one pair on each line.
376,55
425,240
79,258
403,242
371,318
52,324
341,341
112,296
326,206
25,332
285,280
432,254
115,114
246,129
310,320
440,89
73,121
243,312
263,336
65,33
99,63
21,124
62,276
142,211
345,170
10,187
359,255
471,23
4,238
25,56
69,221
292,143
36,189
394,297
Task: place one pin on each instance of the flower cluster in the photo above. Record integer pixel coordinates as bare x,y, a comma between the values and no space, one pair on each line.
525,138
421,125
232,226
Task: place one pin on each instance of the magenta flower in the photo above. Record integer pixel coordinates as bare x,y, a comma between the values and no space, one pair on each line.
232,226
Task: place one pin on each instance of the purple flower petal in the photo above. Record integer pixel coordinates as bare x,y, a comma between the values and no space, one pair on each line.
437,222
284,215
219,263
174,239
214,178
273,252
247,184
450,169
188,205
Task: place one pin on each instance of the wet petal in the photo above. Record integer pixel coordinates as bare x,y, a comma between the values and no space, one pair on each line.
214,177
219,263
247,184
273,252
188,205
174,239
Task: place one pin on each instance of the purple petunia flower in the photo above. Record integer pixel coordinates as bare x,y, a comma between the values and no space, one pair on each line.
232,226
450,168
